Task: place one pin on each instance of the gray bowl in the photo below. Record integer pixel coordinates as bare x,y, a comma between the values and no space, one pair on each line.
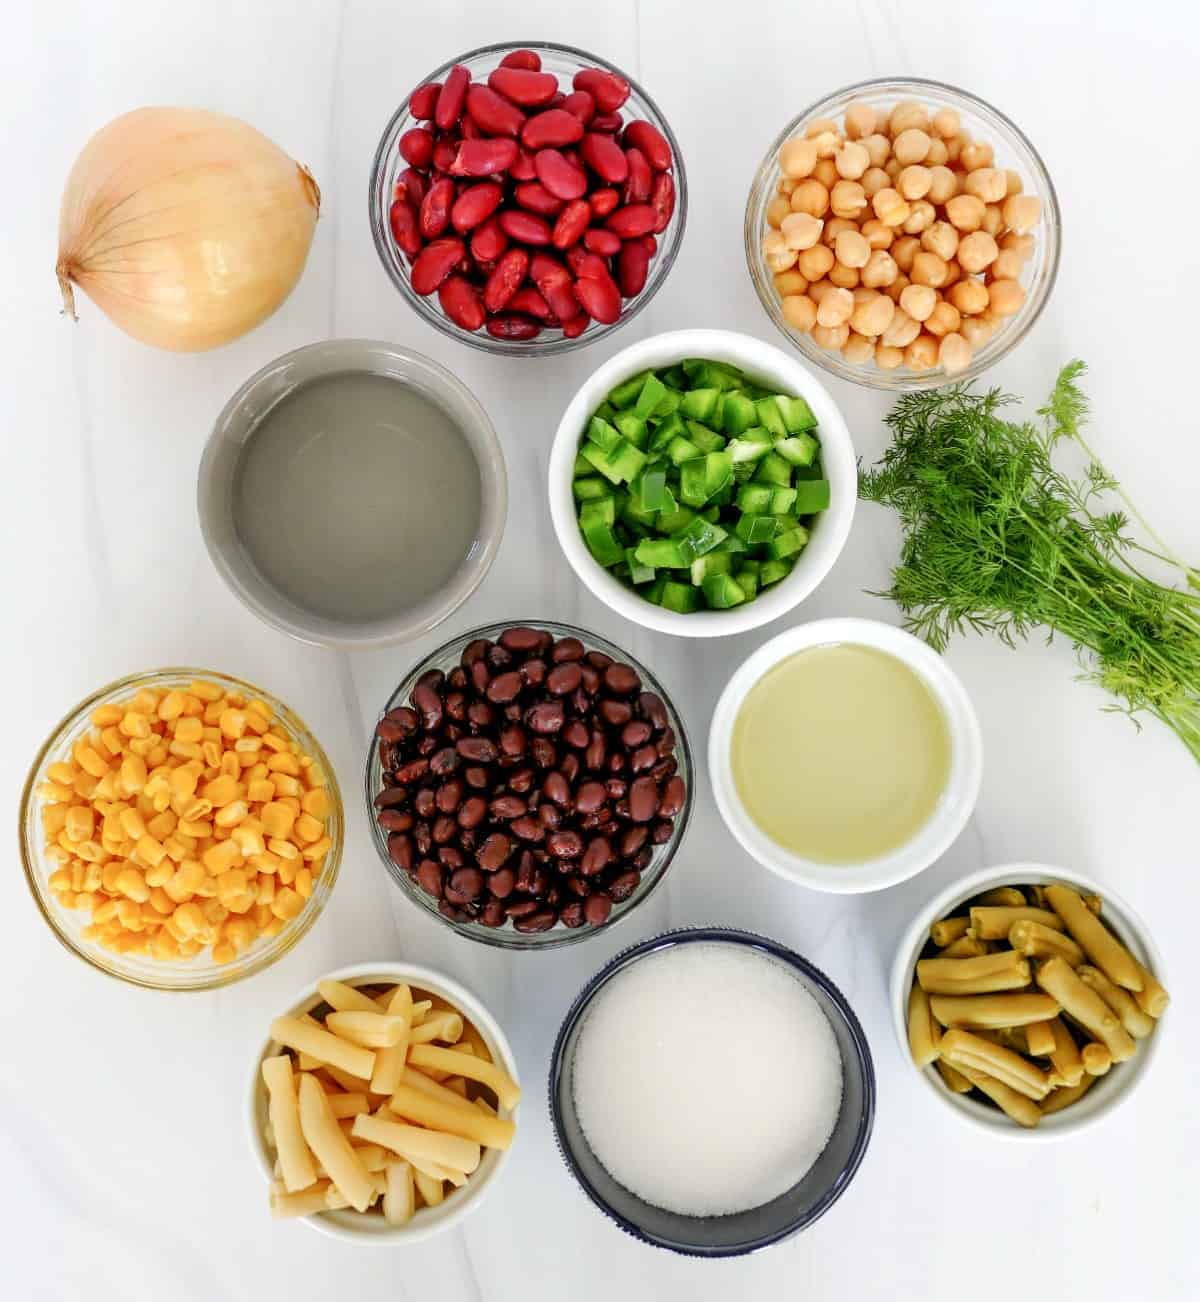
741,1232
237,423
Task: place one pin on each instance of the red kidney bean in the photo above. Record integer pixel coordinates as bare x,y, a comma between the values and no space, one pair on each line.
464,885
528,300
501,285
524,86
533,672
568,648
416,147
549,817
545,717
449,796
479,714
597,855
488,241
400,850
494,851
404,227
616,713
524,226
662,200
475,205
672,798
563,679
430,876
565,845
528,828
542,920
603,201
480,749
391,797
522,168
395,820
571,224
643,799
505,687
571,915
493,113
554,282
411,185
435,208
534,196
635,733
522,59
650,244
485,157
590,796
634,219
576,325
621,678
610,123
605,157
450,98
604,243
596,752
551,128
543,753
470,129
596,908
512,326
434,263
423,101
461,303
645,136
580,105
633,266
640,179
562,177
599,297
606,88
492,914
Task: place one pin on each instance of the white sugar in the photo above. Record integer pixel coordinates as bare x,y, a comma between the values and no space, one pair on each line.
707,1079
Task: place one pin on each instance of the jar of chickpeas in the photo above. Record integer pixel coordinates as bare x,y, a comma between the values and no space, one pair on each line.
181,829
902,234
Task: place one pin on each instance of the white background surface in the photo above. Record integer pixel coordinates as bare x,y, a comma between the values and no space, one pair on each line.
125,1171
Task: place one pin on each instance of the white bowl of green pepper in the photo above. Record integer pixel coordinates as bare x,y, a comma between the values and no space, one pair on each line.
702,483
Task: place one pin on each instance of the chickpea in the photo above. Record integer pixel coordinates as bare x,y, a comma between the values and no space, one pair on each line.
800,230
986,183
874,179
993,219
1022,212
915,181
897,287
954,354
819,289
921,354
954,146
1005,297
893,168
799,311
954,273
908,115
946,123
812,197
852,249
862,295
921,217
929,269
826,173
858,349
777,210
880,270
831,337
977,251
1008,265
891,207
827,143
860,120
944,319
943,184
776,253
1021,245
910,146
834,227
844,277
976,155
852,160
904,251
902,329
790,282
797,158
1014,183
919,301
878,235
964,211
814,263
937,153
888,358
873,316
940,238
819,126
976,331
878,148
835,308
969,296
786,186
848,199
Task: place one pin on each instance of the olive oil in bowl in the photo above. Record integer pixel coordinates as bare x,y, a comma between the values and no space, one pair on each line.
840,753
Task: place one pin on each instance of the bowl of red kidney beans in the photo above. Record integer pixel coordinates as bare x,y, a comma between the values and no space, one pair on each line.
528,784
528,199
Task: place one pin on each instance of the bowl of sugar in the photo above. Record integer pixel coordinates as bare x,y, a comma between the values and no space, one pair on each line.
712,1092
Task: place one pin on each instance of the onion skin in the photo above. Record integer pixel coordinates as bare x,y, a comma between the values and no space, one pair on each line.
186,228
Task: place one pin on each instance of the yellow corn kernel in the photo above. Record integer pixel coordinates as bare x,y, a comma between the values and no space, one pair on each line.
314,776
318,849
176,850
265,862
287,904
196,810
194,828
162,825
275,742
189,920
145,702
150,849
164,946
54,818
284,762
266,888
230,765
106,788
214,912
171,706
316,803
187,750
205,691
189,731
284,849
221,790
232,724
140,746
108,875
232,814
308,830
134,725
132,824
190,948
85,900
132,884
240,932
129,914
260,790
277,819
90,761
60,879
185,779
91,877
81,823
84,785
304,882
157,754
248,746
133,773
54,791
212,716
61,772
160,873
248,840
222,857
56,854
161,901
210,752
90,851
223,952
77,867
272,928
207,888
286,785
262,709
104,716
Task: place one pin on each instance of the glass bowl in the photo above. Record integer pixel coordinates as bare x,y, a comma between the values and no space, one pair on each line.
446,658
759,1227
987,125
564,61
200,972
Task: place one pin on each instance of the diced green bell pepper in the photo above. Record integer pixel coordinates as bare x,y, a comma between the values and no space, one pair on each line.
680,450
773,469
738,414
672,521
626,393
798,450
662,554
602,434
772,571
714,562
754,499
650,489
633,429
699,404
651,394
654,592
756,528
707,440
721,592
788,543
782,500
797,414
638,573
748,582
812,495
698,537
669,428
680,597
602,542
589,487
770,417
600,509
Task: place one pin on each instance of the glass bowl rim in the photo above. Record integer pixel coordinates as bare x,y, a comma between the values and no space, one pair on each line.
715,934
480,339
288,938
922,381
556,937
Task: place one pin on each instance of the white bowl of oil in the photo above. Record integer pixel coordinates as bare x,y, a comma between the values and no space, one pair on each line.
845,755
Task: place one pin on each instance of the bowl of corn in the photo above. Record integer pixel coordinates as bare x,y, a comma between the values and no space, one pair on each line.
180,829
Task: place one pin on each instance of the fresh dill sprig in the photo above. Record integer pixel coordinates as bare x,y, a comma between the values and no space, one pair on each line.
998,539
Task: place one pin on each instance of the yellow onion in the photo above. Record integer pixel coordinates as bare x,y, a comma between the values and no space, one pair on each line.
185,228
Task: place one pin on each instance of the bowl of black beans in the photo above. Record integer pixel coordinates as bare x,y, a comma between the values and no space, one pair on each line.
529,784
